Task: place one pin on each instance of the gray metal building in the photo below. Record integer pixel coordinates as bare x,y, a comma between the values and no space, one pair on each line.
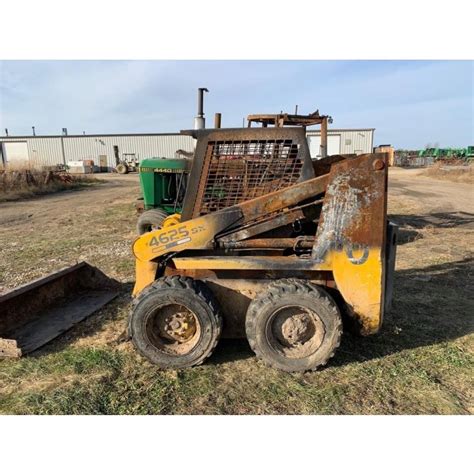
107,150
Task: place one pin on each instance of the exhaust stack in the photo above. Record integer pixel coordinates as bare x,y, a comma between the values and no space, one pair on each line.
199,120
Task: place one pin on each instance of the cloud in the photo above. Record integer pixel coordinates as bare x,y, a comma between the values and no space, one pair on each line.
409,103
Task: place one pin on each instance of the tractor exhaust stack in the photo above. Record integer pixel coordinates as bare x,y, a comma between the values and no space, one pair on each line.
199,120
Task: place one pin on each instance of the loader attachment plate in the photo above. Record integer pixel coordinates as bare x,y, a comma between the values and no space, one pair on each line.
34,314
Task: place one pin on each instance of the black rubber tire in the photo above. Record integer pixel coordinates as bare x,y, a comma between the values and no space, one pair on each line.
193,294
121,168
288,292
151,220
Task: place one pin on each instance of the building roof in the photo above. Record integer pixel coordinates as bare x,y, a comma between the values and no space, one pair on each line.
3,137
308,132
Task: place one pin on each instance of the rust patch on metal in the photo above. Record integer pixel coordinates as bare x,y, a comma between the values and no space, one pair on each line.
232,166
35,313
378,165
353,212
284,119
277,243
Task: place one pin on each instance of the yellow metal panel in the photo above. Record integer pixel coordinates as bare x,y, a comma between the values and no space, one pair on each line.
196,233
145,273
172,219
361,286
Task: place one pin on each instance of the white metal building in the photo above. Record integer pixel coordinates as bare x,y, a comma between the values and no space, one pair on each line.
342,141
107,150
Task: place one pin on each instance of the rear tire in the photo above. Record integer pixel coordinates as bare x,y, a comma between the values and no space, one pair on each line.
294,325
151,220
175,322
122,168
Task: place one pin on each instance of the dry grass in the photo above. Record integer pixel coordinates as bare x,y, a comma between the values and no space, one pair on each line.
458,173
22,183
420,363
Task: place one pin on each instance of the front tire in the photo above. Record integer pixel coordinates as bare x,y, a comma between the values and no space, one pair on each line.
294,326
151,220
122,168
175,322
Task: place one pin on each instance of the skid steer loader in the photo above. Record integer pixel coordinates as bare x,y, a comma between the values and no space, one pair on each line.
271,246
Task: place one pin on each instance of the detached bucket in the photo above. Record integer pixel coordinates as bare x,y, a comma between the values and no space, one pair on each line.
34,314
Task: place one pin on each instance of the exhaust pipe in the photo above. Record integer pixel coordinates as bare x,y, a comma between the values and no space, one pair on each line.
217,120
199,120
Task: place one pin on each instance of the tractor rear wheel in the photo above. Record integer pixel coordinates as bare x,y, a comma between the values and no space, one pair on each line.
294,325
175,322
151,220
121,168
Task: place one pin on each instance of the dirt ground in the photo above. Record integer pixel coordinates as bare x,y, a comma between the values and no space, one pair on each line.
433,195
67,227
421,362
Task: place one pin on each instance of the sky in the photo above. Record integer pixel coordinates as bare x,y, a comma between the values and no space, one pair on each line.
411,104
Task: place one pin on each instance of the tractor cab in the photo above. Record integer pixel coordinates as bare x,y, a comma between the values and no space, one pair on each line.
163,185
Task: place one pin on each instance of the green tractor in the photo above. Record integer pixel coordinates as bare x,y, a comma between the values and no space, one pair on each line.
469,154
447,154
163,185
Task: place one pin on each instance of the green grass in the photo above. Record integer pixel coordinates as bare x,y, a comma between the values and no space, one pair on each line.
420,363
107,381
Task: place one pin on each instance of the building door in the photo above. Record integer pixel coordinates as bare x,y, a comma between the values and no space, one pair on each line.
15,154
104,167
116,155
334,145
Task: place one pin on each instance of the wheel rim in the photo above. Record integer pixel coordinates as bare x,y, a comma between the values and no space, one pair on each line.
151,227
173,329
295,332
